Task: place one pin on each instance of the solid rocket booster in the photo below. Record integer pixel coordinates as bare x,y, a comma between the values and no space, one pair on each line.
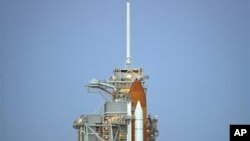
138,122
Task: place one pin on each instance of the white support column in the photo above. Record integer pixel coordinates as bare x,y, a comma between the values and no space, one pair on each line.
129,126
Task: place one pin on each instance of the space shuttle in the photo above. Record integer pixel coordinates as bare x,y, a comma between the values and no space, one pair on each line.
124,116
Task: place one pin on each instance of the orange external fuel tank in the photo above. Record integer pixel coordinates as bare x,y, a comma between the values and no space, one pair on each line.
137,94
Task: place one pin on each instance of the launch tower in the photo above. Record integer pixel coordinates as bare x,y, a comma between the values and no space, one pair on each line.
124,116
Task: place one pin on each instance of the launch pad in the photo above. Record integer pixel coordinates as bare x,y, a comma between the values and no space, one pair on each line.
125,116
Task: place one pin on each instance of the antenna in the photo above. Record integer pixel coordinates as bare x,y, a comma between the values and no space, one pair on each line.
128,57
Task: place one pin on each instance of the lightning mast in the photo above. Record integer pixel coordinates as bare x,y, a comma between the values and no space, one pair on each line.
128,55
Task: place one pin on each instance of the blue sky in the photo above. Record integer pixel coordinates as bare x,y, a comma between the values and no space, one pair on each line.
196,53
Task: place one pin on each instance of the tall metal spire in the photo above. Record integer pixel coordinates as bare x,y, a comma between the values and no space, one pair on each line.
128,55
